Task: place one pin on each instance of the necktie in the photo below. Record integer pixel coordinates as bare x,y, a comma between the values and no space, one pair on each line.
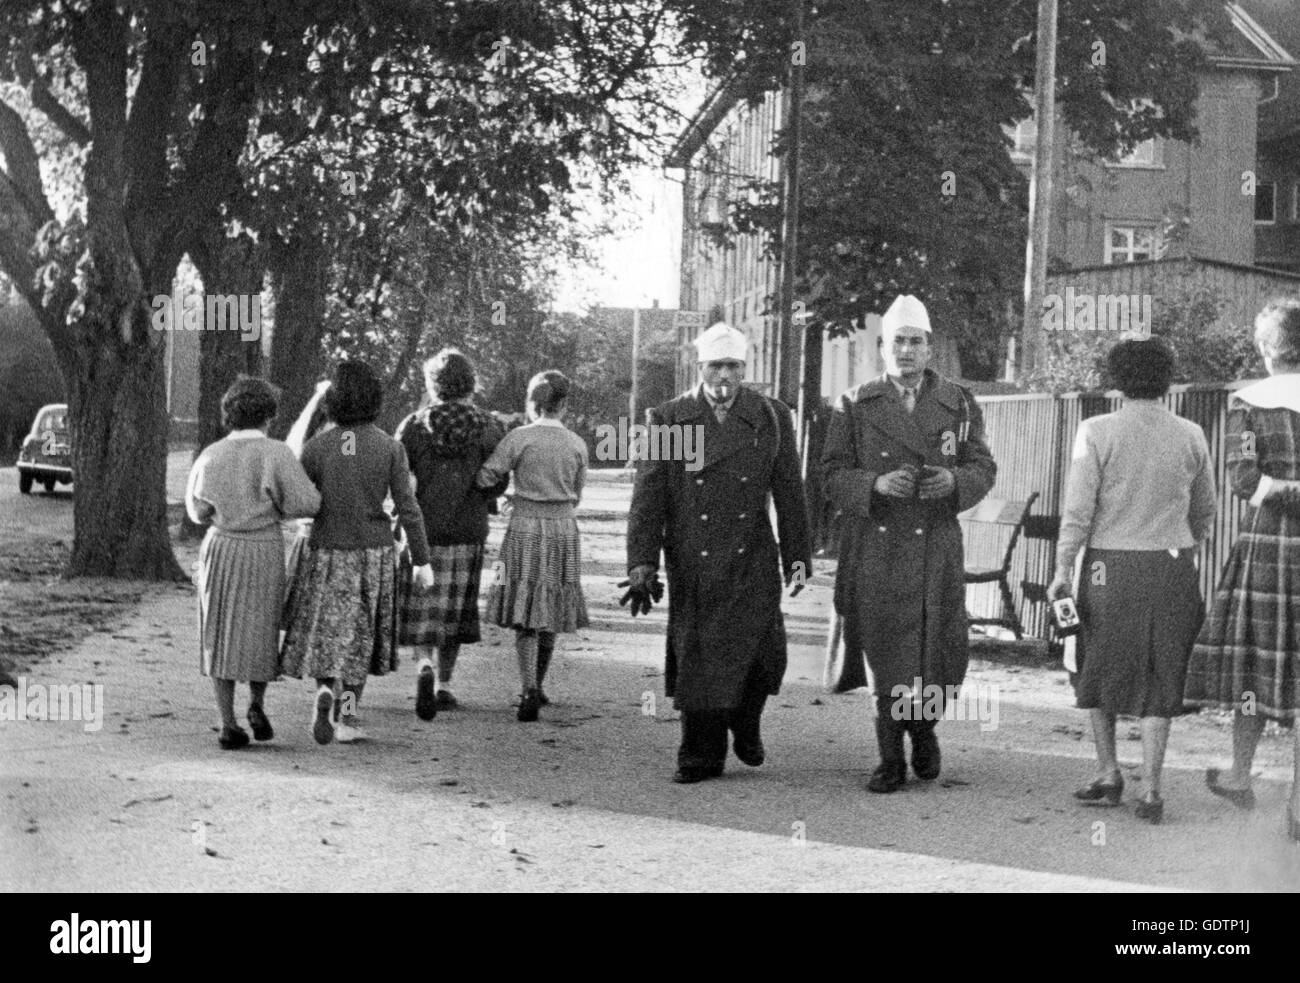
909,399
720,411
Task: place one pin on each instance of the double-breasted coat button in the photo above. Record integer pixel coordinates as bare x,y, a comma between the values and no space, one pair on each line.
704,517
920,532
699,481
742,515
881,528
744,478
739,551
884,453
704,552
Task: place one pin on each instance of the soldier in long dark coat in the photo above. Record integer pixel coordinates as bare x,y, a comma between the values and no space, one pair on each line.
904,454
709,517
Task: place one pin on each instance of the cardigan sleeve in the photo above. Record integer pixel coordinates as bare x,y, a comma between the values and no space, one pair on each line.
1080,500
290,490
199,508
408,508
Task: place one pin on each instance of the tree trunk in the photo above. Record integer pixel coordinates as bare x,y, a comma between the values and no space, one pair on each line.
299,269
227,267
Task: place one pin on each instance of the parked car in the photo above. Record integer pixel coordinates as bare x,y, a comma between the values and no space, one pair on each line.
46,455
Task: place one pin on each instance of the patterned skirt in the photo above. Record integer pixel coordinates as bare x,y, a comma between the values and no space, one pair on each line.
537,581
1139,620
240,580
341,614
448,612
1248,653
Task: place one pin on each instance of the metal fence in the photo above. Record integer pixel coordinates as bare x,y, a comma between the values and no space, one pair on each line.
1032,437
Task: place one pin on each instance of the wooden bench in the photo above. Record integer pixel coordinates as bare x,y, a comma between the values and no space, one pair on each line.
1012,514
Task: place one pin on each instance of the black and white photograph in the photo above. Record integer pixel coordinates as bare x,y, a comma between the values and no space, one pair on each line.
650,447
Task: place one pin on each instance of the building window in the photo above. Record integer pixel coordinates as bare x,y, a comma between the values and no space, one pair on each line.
1266,203
1269,89
1023,137
1130,243
1145,154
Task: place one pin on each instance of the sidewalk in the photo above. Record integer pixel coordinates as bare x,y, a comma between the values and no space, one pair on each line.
581,800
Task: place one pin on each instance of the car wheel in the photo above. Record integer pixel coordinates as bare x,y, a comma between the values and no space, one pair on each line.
24,482
49,486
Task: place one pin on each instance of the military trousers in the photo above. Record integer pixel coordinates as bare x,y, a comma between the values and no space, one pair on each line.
704,732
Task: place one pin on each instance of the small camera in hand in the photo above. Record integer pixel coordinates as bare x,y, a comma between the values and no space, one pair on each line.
1065,616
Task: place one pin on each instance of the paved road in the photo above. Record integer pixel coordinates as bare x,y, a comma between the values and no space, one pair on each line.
475,800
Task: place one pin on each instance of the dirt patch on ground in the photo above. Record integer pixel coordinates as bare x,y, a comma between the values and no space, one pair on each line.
42,614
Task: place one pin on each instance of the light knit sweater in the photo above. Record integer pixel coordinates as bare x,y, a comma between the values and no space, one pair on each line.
1140,479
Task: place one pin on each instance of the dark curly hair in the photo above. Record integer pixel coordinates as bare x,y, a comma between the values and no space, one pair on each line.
248,403
450,374
1141,368
547,391
355,395
1277,331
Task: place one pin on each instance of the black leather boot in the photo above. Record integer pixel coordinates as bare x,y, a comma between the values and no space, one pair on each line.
891,774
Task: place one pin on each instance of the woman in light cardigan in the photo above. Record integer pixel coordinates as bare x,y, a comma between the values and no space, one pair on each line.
1139,498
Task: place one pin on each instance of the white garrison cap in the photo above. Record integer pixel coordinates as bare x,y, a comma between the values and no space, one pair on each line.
905,312
721,343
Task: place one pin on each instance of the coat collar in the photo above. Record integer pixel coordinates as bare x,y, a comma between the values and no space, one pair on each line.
932,386
937,399
746,405
1282,390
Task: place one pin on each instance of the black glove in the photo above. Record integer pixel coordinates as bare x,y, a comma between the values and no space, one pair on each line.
642,598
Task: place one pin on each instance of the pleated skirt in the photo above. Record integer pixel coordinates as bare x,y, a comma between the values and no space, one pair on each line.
240,580
1140,612
537,580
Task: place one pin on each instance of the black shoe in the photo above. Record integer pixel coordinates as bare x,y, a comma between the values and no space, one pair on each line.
690,774
1152,809
426,702
1102,793
1242,798
887,778
749,752
233,738
261,726
925,754
541,697
528,706
322,727
445,700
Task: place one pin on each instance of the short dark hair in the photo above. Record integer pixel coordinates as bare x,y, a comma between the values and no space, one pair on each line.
1141,368
1277,331
548,390
354,395
450,374
248,403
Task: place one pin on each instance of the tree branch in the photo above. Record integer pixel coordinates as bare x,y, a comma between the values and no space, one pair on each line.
42,98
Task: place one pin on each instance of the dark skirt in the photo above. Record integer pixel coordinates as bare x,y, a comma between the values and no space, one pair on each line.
1140,613
449,612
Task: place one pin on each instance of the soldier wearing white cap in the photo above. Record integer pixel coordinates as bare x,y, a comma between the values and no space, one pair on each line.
726,646
903,455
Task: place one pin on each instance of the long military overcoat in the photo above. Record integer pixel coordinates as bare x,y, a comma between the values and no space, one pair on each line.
900,582
724,567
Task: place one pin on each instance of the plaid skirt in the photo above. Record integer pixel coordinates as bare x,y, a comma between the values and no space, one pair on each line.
537,581
1248,653
340,616
448,612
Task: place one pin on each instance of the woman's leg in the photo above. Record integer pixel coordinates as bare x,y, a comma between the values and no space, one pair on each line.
526,650
256,695
225,693
350,701
447,653
545,649
1247,728
1155,738
1103,737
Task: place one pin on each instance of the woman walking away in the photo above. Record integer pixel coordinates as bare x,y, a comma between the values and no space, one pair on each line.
1139,498
244,485
446,445
342,606
538,588
1247,658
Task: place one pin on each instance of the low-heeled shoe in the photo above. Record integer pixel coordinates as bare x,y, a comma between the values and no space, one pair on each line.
1099,793
750,752
690,774
233,738
257,719
887,778
1242,798
925,754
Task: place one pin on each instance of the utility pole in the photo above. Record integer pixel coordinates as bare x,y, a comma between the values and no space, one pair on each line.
1032,340
636,347
790,347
